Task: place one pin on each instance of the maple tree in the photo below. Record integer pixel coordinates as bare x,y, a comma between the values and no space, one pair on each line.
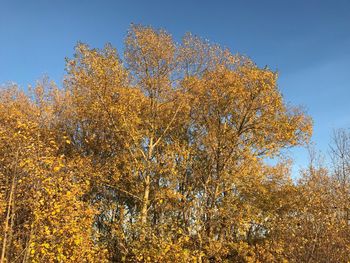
159,155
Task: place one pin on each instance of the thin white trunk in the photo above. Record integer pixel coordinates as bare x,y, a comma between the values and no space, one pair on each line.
7,221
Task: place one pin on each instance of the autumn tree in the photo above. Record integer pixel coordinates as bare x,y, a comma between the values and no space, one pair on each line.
156,155
315,226
45,217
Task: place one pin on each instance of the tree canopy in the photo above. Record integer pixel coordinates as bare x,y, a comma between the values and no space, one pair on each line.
159,155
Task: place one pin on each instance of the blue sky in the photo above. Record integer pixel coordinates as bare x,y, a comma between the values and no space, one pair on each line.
307,42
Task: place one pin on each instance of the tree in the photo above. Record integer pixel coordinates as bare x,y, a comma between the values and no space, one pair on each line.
156,156
340,155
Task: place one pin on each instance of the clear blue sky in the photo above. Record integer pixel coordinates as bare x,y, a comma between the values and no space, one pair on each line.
307,42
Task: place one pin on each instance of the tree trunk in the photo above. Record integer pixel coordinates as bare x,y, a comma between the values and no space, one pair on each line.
145,201
7,221
147,182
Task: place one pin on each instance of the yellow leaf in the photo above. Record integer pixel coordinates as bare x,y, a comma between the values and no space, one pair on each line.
46,245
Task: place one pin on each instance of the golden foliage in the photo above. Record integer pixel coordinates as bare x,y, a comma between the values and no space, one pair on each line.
160,156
